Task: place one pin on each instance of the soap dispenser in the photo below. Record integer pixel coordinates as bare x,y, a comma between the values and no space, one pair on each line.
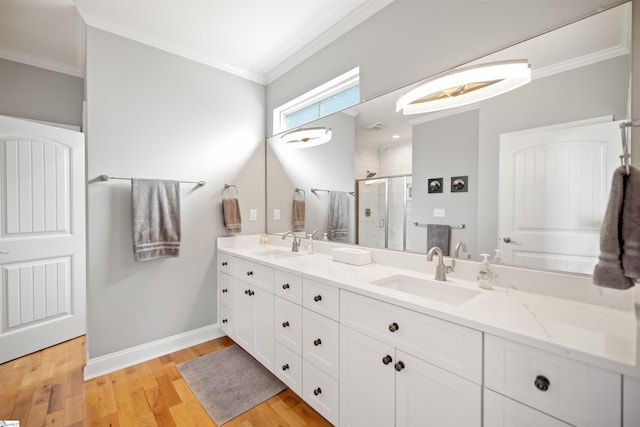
484,273
309,244
497,259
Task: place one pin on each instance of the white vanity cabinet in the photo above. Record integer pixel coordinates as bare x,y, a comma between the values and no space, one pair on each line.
573,392
402,368
254,310
226,295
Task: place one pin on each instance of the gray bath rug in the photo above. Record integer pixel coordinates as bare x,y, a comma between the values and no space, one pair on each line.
229,382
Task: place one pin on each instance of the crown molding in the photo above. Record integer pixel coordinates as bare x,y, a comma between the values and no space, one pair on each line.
36,61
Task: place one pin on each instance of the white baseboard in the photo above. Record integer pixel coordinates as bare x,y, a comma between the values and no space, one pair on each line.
121,359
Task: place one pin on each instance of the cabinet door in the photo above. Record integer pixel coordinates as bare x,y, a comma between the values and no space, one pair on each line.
429,396
264,344
245,316
500,411
367,376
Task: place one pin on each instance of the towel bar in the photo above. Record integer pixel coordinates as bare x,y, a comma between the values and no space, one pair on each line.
459,226
107,178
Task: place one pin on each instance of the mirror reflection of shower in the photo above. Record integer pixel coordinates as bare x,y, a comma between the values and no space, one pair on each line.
383,211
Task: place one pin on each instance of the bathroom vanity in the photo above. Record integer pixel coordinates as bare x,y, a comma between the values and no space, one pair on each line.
384,344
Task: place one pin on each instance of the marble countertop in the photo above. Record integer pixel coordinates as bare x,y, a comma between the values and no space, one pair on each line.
596,334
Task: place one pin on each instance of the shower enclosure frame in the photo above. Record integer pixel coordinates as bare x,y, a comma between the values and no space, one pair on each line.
405,198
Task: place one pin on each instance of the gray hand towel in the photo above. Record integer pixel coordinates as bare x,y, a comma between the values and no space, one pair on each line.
156,218
631,225
298,215
608,272
338,223
438,235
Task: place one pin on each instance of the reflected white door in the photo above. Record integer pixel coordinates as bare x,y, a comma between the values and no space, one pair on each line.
42,236
554,187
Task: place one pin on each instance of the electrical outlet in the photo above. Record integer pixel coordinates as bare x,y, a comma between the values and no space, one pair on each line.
438,213
276,214
253,214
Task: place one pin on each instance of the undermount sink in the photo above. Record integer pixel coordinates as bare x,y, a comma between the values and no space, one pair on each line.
431,289
276,254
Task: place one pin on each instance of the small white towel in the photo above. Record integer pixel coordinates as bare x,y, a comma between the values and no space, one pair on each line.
155,209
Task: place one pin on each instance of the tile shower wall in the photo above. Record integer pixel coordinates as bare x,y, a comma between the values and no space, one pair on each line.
395,159
366,159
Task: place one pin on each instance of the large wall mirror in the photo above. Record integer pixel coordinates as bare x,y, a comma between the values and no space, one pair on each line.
526,172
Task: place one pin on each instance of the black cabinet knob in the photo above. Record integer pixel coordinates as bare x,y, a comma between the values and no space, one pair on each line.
249,273
225,290
317,391
394,327
285,286
317,298
251,293
399,366
246,291
285,324
387,359
542,383
224,264
317,342
225,320
285,367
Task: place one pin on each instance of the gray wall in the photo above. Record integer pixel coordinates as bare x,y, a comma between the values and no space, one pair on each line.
35,93
412,39
441,149
156,115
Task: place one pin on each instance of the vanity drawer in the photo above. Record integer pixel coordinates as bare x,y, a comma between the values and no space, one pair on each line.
288,286
500,411
227,321
320,391
225,263
227,291
256,274
321,298
288,324
321,342
452,347
288,367
575,392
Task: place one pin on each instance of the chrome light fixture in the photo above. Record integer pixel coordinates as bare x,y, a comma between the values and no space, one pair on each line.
307,137
464,86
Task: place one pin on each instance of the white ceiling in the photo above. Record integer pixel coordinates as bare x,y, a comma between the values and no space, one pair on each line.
256,39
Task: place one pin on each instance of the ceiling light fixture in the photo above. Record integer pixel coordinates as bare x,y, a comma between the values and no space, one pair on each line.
464,86
307,137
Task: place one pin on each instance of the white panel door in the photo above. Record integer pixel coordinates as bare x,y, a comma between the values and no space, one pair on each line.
42,236
554,187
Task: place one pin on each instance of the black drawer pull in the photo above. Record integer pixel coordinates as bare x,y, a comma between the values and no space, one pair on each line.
317,391
542,383
393,327
225,290
251,293
285,324
285,286
387,359
249,273
224,263
399,366
317,298
225,320
317,342
285,367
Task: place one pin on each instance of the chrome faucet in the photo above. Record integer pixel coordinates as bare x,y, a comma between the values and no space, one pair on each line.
313,234
460,245
296,240
441,269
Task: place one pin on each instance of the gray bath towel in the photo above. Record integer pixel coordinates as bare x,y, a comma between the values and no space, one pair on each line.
156,218
298,215
338,215
631,225
609,272
438,235
231,215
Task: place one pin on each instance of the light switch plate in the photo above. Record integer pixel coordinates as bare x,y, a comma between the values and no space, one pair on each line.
276,214
253,214
439,213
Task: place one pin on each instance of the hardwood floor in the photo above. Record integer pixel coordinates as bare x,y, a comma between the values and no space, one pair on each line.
47,389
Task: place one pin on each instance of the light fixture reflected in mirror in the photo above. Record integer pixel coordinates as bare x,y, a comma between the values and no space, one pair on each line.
307,137
464,86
